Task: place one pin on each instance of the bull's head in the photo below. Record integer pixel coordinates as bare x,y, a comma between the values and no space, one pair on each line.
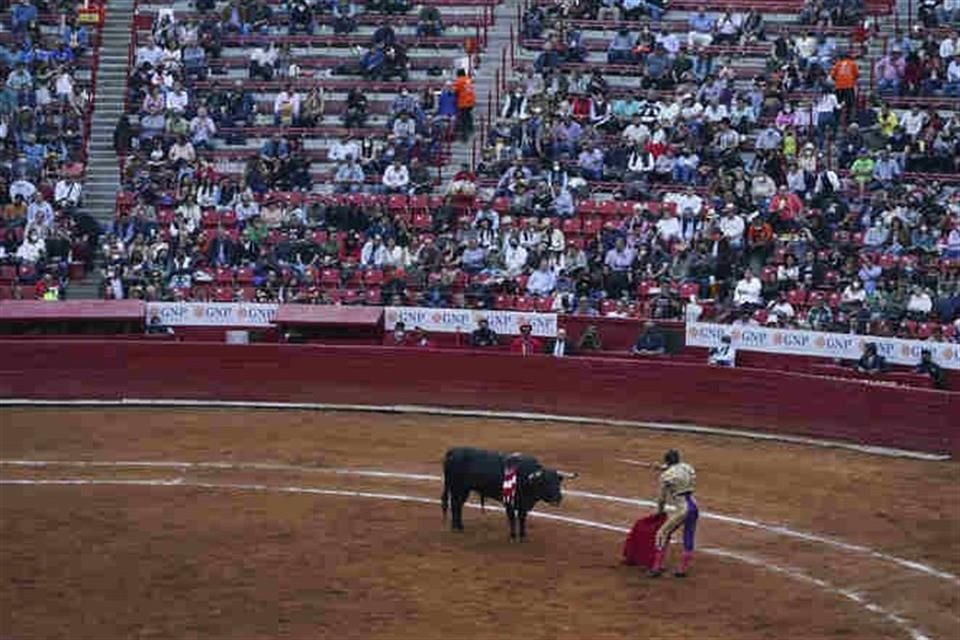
545,484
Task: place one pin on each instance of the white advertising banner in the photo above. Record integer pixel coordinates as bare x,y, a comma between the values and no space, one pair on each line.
465,320
212,314
820,344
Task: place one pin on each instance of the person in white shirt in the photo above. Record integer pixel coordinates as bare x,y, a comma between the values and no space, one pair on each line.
919,305
543,281
340,150
732,226
202,128
686,200
286,107
724,355
373,253
247,207
177,99
748,291
66,193
636,132
693,311
853,294
23,188
515,257
912,122
64,85
32,248
782,310
151,53
394,255
396,178
668,227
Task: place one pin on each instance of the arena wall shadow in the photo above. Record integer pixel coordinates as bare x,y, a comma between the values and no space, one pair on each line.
755,399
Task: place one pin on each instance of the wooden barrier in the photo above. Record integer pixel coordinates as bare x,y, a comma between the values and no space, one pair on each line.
762,400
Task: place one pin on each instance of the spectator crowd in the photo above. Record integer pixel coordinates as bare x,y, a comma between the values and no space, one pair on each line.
45,102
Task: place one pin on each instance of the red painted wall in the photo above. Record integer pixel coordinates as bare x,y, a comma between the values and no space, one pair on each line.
772,401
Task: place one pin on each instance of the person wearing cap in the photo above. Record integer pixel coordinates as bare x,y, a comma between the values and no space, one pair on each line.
526,344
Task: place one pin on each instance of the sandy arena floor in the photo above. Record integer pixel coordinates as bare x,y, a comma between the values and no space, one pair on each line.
265,536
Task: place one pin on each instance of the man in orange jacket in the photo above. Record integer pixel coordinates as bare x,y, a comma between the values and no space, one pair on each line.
845,73
466,101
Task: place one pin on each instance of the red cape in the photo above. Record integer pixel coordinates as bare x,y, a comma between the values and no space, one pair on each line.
638,549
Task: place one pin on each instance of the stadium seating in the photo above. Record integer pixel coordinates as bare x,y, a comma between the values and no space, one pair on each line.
322,246
48,64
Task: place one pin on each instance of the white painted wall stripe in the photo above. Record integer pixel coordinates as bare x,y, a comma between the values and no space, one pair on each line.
755,561
478,413
775,529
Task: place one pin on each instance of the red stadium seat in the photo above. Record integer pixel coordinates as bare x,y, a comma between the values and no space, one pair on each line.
330,278
592,225
524,303
373,277
544,304
223,276
571,226
244,275
503,302
797,298
688,289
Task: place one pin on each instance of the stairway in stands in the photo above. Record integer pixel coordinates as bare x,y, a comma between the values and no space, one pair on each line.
498,41
102,181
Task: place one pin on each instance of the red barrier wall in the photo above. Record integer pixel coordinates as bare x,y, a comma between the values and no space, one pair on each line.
772,401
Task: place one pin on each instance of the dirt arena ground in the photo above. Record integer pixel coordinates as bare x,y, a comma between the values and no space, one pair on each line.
326,525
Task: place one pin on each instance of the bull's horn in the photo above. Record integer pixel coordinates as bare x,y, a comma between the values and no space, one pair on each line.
568,475
535,474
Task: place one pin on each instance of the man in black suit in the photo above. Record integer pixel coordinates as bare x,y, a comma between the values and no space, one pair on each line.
222,251
560,347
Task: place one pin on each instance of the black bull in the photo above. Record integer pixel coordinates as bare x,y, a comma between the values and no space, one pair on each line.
466,470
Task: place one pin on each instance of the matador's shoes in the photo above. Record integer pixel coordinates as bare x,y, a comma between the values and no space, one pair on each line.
654,573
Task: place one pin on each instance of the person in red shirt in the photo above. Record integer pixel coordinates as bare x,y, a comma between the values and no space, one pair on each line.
525,344
845,73
785,207
466,101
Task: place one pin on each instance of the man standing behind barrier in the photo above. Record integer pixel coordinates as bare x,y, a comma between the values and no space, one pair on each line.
677,484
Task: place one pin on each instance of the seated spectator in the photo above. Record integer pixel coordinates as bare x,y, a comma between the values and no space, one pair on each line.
871,362
929,367
651,341
542,281
702,28
483,335
396,178
748,292
526,344
349,177
724,355
429,22
620,50
590,339
560,347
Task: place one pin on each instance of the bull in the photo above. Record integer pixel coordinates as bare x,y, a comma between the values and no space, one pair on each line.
466,469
